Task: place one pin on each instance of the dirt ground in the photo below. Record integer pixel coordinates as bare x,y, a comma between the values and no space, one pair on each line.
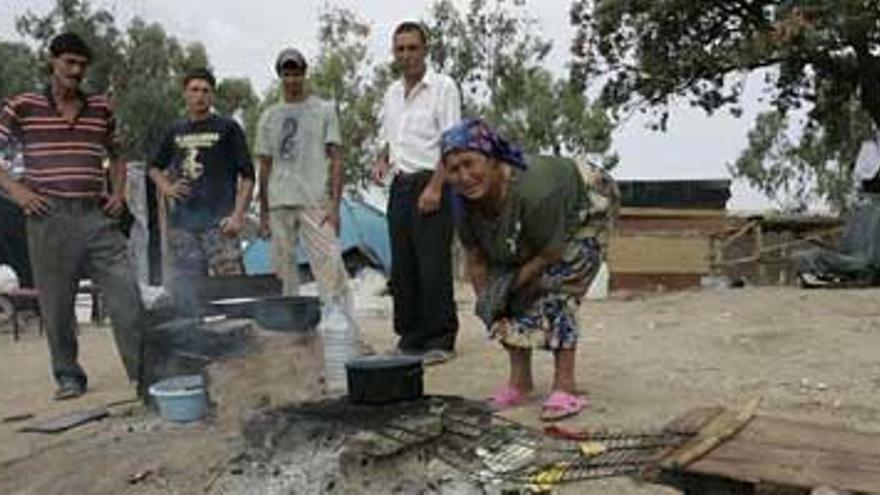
812,355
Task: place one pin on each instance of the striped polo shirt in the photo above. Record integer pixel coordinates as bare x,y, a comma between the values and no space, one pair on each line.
61,158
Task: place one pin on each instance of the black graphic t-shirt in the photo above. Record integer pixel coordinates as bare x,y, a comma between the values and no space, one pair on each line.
211,154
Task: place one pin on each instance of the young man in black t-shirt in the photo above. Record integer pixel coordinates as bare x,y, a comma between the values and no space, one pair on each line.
203,168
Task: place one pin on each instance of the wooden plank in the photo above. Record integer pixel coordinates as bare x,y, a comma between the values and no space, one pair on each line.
693,420
648,254
671,212
811,436
654,281
797,454
67,421
718,430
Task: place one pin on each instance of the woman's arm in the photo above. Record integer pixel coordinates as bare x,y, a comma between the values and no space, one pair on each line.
532,269
477,269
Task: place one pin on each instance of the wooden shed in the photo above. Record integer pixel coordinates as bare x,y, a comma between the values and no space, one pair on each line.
665,231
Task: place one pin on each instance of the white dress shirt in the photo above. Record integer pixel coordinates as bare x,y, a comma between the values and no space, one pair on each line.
412,124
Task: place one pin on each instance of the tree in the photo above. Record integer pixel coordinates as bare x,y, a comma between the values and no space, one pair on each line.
492,51
820,59
147,87
97,27
345,74
20,71
234,94
141,68
235,98
508,86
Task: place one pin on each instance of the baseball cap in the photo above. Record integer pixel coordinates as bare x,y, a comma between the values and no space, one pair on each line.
290,56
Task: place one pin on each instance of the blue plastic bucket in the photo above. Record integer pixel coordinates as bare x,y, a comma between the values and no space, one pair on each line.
181,399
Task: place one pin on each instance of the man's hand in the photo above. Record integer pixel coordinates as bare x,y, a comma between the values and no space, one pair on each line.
380,172
429,200
232,225
114,205
32,203
331,217
178,189
265,225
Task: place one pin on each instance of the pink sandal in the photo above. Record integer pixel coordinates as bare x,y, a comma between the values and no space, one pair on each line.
506,398
562,405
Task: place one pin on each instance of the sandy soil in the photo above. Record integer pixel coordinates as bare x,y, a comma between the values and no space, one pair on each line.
643,361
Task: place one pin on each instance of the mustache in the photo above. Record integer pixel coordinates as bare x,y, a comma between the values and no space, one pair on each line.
78,77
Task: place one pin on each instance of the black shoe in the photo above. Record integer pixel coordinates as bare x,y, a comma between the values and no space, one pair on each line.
437,356
69,388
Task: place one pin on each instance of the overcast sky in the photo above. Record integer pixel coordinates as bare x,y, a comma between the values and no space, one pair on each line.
243,36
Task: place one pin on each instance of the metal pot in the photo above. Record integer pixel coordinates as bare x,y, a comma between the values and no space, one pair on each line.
384,379
240,307
288,313
237,286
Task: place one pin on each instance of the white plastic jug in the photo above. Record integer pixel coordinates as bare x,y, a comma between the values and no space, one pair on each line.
340,344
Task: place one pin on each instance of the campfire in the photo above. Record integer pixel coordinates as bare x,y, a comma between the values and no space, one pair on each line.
431,445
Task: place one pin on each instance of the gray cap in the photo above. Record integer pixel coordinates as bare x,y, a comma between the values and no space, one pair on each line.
290,56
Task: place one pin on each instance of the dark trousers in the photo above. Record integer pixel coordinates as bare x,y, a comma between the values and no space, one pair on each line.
421,267
76,235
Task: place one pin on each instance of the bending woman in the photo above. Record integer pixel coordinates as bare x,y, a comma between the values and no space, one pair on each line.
532,228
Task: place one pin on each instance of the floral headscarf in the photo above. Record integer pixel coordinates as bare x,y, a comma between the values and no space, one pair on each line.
476,135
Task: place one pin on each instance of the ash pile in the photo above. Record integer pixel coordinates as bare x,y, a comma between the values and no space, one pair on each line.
432,445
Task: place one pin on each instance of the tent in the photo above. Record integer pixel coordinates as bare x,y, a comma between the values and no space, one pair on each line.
364,232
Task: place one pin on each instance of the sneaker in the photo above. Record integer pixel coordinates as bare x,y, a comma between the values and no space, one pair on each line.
437,356
69,388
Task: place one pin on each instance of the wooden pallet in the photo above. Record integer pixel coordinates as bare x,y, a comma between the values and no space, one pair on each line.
776,456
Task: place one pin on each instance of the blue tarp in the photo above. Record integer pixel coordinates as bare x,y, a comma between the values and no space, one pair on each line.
364,228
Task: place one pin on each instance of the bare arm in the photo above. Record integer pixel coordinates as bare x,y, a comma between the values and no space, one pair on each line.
382,165
243,197
477,269
384,154
171,190
265,172
118,178
431,197
532,269
233,225
448,114
29,201
158,177
437,179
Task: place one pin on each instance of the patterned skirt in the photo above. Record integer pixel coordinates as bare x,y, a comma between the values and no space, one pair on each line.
549,320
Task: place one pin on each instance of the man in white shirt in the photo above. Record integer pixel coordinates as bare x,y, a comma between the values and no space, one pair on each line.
416,110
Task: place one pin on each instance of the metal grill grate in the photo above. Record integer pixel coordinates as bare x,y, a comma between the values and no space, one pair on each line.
486,447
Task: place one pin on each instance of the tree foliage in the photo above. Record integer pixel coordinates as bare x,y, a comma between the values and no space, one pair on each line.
493,49
97,27
490,48
345,74
20,71
140,66
821,61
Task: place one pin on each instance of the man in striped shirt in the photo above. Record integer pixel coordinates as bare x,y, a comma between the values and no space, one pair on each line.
72,219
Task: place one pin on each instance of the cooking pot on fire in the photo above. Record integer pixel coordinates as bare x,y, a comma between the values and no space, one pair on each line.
384,379
280,313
